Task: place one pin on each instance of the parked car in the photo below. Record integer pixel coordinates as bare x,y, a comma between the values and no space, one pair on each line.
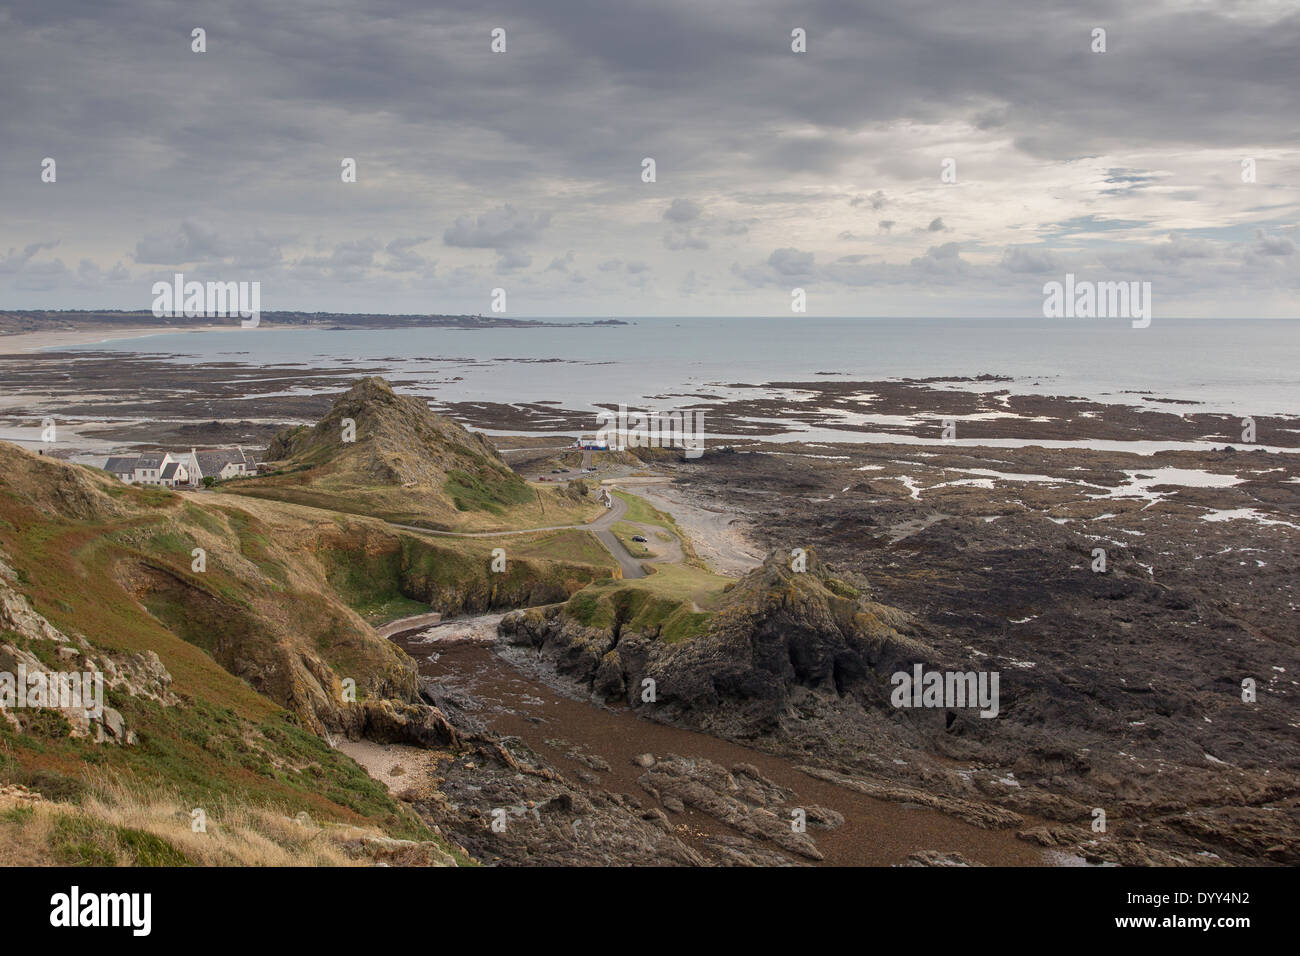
639,537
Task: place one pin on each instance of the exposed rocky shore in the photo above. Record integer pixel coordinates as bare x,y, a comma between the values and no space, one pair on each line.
1121,689
544,778
1139,610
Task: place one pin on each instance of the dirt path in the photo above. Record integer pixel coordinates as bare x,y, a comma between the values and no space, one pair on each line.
717,535
600,528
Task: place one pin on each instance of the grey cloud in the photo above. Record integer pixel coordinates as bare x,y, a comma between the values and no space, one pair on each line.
791,262
991,118
15,261
618,265
401,258
682,210
512,260
1184,247
1275,245
876,199
348,262
1027,260
681,239
199,242
232,157
498,229
940,259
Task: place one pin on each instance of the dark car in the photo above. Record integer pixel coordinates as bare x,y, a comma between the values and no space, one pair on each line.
640,538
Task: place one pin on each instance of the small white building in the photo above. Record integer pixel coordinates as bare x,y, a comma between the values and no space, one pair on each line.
222,463
122,467
149,467
174,473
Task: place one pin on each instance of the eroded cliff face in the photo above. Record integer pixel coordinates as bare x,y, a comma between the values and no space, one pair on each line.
126,577
31,645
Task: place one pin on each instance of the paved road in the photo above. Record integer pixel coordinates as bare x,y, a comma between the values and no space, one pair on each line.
600,528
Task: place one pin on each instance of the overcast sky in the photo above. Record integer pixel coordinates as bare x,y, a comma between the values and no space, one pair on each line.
775,170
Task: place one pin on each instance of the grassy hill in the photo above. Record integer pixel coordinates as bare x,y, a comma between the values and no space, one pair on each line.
224,682
386,455
675,603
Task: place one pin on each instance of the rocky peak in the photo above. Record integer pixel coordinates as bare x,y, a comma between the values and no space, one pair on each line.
387,437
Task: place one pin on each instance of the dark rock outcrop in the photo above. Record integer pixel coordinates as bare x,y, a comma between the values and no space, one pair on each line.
780,635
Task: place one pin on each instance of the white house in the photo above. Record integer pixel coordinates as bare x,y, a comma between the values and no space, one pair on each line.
149,466
222,463
173,473
184,470
122,467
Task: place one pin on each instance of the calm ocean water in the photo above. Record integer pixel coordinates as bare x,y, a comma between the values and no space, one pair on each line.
1248,367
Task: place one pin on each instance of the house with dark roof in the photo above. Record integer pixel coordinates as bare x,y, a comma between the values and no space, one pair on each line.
122,467
174,473
149,466
184,470
223,463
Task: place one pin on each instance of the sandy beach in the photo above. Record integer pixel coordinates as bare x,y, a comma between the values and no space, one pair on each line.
35,341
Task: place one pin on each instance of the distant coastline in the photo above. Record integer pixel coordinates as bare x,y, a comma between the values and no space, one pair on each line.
120,324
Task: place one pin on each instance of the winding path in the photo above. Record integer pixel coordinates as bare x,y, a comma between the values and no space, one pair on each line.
600,528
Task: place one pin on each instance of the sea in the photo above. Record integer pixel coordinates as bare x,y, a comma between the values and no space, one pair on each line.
1236,366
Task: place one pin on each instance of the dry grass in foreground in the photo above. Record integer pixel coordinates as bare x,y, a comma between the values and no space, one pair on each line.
118,825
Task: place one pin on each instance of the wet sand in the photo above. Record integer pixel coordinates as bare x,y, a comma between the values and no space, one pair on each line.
875,832
58,338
